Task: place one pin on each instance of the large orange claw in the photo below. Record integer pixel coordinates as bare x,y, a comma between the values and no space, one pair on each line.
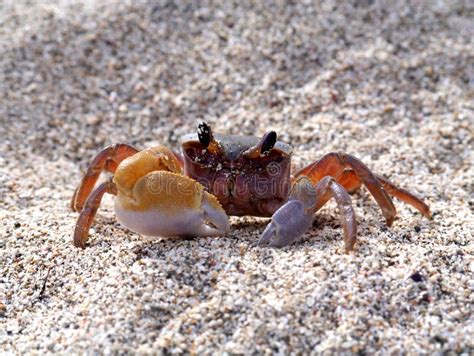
168,204
154,199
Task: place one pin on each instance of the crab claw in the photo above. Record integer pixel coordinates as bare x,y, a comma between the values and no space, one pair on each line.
288,223
292,219
154,199
167,204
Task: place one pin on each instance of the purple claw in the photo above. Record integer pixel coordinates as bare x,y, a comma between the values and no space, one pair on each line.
295,217
287,225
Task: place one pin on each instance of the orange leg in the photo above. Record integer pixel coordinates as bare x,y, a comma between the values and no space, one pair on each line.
405,196
88,212
337,162
329,165
348,179
107,160
351,179
351,182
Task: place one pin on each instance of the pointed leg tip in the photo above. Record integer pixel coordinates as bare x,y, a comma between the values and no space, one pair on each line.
348,248
390,221
76,207
267,235
349,245
279,244
80,245
74,204
79,241
261,242
428,214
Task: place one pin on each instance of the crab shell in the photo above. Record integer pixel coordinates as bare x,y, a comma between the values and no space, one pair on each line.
245,184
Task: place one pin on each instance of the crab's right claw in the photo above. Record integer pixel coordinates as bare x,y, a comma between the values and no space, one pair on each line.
153,198
166,204
292,219
215,220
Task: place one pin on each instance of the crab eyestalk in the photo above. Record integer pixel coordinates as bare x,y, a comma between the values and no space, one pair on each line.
206,138
205,134
264,146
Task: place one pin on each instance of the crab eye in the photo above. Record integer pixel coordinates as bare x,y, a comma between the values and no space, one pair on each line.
265,145
268,141
204,134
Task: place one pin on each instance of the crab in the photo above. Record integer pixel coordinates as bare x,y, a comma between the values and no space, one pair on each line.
161,193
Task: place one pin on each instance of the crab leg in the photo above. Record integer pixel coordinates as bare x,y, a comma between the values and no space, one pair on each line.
348,180
295,217
405,196
344,203
88,212
335,163
351,182
106,160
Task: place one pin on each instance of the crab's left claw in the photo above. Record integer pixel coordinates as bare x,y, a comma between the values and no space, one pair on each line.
288,224
294,218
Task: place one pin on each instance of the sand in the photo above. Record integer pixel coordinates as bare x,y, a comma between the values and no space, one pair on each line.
391,83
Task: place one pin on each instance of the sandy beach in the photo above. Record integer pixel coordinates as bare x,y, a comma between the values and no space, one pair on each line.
390,82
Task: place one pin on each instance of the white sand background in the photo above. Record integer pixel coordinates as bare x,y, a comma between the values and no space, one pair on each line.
391,82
